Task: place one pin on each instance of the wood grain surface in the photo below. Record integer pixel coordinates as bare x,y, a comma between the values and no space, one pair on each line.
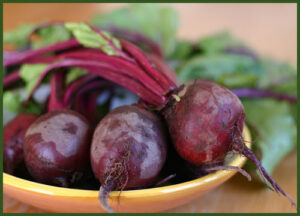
269,28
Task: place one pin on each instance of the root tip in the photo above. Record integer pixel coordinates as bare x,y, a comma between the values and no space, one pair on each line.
103,198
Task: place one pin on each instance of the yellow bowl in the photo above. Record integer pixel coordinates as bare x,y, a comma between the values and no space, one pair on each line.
57,199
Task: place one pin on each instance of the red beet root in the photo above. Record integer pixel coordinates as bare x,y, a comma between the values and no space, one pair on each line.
128,150
56,147
205,123
201,124
13,139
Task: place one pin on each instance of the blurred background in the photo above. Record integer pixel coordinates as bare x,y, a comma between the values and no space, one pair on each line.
270,29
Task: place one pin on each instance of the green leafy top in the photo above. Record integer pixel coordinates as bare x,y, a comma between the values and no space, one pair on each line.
74,73
218,43
12,101
276,128
18,36
232,71
51,35
278,76
235,70
89,38
158,23
30,73
47,36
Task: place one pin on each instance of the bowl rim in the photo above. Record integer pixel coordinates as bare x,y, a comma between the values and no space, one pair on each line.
39,188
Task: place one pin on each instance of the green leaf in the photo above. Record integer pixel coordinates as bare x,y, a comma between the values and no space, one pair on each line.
12,101
47,36
33,107
51,35
276,129
232,71
182,50
218,43
89,38
13,104
73,74
19,36
158,23
278,76
30,73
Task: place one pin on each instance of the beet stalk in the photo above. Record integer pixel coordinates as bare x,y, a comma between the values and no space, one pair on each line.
136,37
11,78
57,88
257,93
19,58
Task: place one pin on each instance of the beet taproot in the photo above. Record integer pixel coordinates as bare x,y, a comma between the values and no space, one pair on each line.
56,147
13,140
128,150
206,121
201,124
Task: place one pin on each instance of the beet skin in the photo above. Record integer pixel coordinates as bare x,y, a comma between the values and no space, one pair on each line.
128,150
13,139
202,124
56,147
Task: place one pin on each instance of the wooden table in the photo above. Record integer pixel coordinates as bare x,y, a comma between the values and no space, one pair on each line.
268,28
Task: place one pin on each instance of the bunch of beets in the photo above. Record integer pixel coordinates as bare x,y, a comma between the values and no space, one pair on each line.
128,148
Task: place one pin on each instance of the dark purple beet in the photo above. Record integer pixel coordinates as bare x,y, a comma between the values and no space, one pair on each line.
13,139
128,150
202,124
205,123
56,147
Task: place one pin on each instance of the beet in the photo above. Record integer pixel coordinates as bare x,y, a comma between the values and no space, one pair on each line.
206,121
128,150
13,139
201,124
56,147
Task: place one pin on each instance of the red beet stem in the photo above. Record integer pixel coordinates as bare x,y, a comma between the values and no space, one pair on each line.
223,167
95,84
163,67
241,50
57,91
75,86
105,71
8,54
39,59
19,58
119,51
135,37
159,77
257,93
239,146
88,105
164,180
132,85
120,65
11,78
